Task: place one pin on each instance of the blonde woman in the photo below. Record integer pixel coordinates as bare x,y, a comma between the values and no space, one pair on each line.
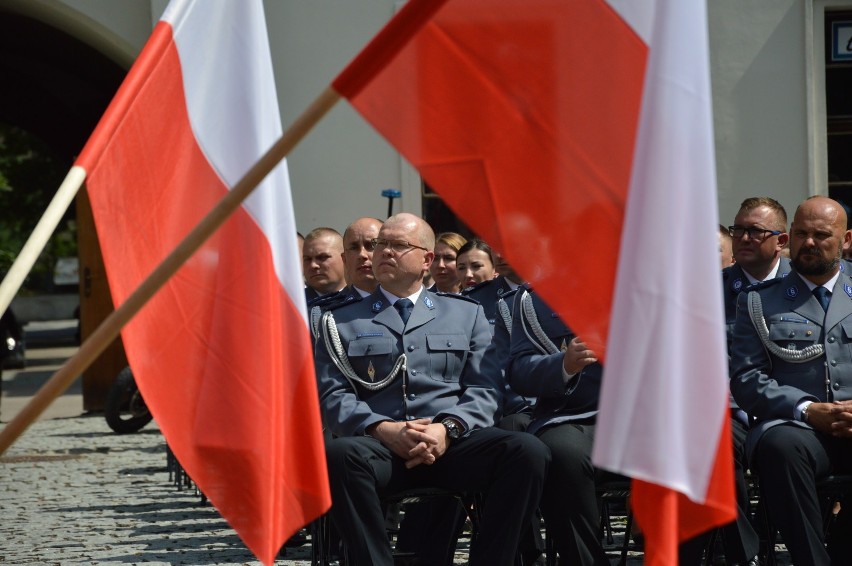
443,268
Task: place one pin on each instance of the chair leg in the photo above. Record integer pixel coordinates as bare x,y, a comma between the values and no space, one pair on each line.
606,523
771,533
710,547
549,547
321,541
625,546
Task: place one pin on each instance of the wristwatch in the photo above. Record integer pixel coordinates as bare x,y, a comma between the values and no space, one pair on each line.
454,430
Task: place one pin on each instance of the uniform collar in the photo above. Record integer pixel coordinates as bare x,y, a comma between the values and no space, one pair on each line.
771,275
393,298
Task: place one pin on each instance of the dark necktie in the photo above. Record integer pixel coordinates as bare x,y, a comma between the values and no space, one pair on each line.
823,295
404,306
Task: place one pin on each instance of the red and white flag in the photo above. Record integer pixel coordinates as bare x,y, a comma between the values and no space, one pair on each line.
664,404
576,137
222,353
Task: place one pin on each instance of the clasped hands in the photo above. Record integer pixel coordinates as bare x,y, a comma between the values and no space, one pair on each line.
417,442
834,418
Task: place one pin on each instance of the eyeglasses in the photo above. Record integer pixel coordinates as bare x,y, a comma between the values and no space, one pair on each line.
398,246
754,233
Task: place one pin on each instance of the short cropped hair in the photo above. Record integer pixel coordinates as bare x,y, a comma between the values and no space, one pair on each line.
780,214
321,232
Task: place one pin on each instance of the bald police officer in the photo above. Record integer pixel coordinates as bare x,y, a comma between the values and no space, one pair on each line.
791,370
402,389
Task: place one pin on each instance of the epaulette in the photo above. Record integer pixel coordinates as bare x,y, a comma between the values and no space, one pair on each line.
348,300
508,293
764,284
340,298
457,296
325,299
734,282
475,288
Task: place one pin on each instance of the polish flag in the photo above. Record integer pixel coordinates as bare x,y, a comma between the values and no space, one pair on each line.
664,403
222,353
576,137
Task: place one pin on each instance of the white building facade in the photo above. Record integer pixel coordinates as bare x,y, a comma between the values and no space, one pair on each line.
775,64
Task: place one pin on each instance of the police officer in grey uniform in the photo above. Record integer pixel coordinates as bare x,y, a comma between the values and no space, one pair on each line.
357,258
443,520
402,389
549,362
759,234
322,262
791,370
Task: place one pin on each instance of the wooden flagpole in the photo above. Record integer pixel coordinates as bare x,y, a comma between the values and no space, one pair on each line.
41,234
112,325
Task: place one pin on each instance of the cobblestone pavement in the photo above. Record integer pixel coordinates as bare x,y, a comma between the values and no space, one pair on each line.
74,492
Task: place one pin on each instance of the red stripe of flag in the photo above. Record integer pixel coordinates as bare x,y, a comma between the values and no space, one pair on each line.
523,115
222,353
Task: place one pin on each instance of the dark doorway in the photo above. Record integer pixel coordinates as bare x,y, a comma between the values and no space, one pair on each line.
55,89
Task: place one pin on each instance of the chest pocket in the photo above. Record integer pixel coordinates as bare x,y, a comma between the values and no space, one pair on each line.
447,355
376,350
793,335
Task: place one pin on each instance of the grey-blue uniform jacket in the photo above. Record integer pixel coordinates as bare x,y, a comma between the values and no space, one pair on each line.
444,343
769,388
319,305
532,373
734,282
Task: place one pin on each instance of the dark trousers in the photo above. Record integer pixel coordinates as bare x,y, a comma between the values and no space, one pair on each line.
789,461
430,529
509,468
739,538
569,502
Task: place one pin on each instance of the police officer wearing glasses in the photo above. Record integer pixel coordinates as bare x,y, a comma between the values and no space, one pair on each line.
403,390
791,370
759,234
